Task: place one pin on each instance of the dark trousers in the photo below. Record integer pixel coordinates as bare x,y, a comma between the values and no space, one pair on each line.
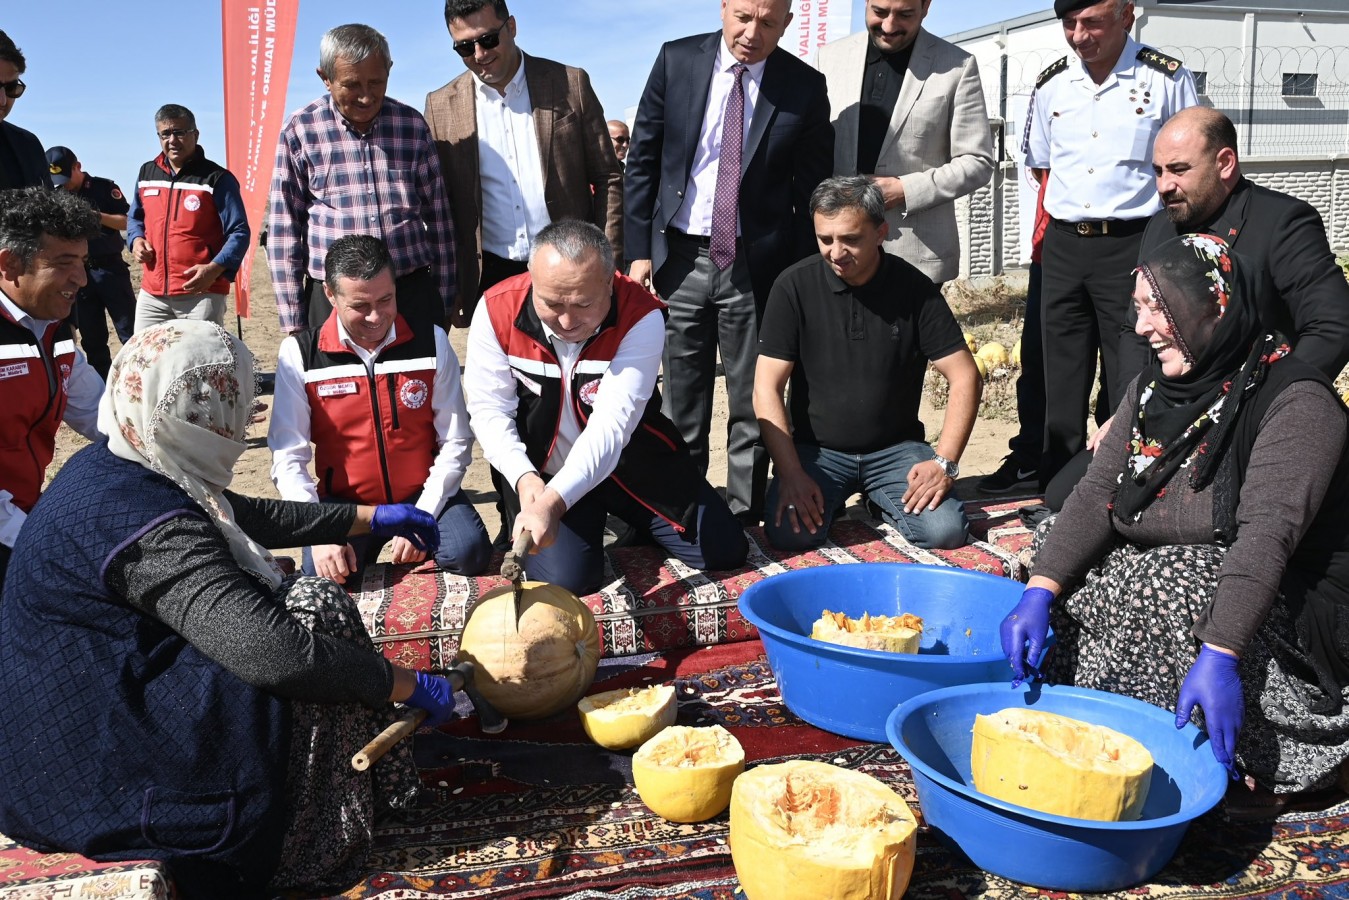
713,310
1026,444
575,560
108,288
419,300
1088,284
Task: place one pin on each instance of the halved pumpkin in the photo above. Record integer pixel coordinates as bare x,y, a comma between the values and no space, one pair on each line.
628,716
684,774
1060,765
896,634
804,830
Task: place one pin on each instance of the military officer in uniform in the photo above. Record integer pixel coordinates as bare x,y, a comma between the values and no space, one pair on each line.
109,285
1092,120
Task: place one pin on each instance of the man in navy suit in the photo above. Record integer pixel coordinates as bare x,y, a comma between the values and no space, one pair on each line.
711,239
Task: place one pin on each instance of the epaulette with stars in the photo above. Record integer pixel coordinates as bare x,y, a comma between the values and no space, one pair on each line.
1051,70
1159,61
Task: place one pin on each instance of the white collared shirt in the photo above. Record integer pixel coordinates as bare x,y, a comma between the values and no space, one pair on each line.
1096,139
84,390
510,169
582,457
288,436
695,215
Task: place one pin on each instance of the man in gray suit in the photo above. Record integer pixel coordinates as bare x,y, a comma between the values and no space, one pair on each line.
909,112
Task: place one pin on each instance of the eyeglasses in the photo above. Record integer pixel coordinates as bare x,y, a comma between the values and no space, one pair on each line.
14,89
176,133
489,41
619,140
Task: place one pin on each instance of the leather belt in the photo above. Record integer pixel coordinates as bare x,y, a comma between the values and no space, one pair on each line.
1115,227
702,240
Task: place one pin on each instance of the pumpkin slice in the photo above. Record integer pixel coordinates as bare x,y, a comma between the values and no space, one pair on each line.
895,634
538,664
1060,765
627,717
684,774
803,830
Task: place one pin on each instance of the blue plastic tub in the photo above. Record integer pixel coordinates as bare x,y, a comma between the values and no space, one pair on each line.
851,691
934,733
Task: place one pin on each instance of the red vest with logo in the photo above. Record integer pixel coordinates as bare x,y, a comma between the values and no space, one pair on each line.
182,222
647,469
374,434
33,379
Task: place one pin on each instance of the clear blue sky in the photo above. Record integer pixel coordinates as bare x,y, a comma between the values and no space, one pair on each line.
97,70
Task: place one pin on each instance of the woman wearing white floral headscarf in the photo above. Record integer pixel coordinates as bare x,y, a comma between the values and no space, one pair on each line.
1202,564
167,694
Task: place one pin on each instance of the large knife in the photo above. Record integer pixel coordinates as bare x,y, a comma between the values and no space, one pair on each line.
512,566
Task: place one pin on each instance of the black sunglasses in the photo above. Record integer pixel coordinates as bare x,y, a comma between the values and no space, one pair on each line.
14,89
489,41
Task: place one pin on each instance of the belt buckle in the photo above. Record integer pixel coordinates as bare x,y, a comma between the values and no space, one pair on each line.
1084,228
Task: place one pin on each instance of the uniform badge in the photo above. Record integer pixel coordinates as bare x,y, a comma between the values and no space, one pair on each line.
413,393
65,378
13,370
589,390
116,193
54,169
192,203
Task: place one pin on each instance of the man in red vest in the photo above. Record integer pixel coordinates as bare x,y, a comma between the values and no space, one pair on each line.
378,408
44,378
561,387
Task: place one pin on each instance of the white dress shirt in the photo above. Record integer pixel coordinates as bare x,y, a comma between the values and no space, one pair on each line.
288,437
1096,139
582,457
510,169
695,215
84,390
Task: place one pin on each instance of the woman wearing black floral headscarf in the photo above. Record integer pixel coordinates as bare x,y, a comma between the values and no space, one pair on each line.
1202,564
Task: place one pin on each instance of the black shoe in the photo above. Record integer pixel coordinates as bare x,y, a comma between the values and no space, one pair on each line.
1010,476
502,542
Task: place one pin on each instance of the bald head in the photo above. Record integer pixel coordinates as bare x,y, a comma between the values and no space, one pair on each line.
1195,159
618,133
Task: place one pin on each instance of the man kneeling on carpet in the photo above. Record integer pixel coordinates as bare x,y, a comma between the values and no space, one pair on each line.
561,387
382,406
168,695
853,330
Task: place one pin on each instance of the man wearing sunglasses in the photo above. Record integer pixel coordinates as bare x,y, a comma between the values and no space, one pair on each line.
522,142
22,160
355,161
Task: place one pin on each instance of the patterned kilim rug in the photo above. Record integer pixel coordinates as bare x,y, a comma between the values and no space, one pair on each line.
541,812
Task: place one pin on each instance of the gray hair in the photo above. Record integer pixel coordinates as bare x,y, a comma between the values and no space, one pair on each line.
28,214
357,256
355,44
575,241
170,111
848,192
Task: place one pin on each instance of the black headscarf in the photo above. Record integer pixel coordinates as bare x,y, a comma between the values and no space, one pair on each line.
1207,295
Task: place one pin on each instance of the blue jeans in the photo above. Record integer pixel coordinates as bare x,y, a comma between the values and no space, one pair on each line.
882,476
465,548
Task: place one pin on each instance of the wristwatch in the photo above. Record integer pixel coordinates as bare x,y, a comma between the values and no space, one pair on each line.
952,469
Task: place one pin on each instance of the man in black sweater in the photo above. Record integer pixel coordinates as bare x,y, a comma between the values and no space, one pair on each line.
22,161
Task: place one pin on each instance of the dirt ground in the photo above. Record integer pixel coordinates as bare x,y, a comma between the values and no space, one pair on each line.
989,311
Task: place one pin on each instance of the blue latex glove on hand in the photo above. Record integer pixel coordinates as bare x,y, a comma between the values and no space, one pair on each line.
1213,685
435,695
1025,631
406,521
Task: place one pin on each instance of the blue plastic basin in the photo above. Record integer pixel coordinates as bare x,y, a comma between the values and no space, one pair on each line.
851,691
933,733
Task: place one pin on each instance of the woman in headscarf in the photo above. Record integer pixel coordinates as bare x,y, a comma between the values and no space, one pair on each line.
1202,565
167,694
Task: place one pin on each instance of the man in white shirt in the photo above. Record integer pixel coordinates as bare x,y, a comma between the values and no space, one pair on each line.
379,409
522,142
561,387
45,379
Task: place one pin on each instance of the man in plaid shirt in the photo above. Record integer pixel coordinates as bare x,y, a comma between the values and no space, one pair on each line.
357,162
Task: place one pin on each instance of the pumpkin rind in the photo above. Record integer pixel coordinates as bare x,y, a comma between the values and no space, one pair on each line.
893,634
618,720
803,830
538,664
1060,765
684,774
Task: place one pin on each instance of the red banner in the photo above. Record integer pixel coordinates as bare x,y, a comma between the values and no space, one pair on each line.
258,38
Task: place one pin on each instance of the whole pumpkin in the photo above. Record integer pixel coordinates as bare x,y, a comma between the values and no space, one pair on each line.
538,664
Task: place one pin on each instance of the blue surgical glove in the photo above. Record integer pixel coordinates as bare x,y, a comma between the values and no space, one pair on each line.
435,695
1025,631
1213,685
406,521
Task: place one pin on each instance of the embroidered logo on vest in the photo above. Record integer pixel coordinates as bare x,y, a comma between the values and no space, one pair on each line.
192,203
65,378
413,393
589,390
